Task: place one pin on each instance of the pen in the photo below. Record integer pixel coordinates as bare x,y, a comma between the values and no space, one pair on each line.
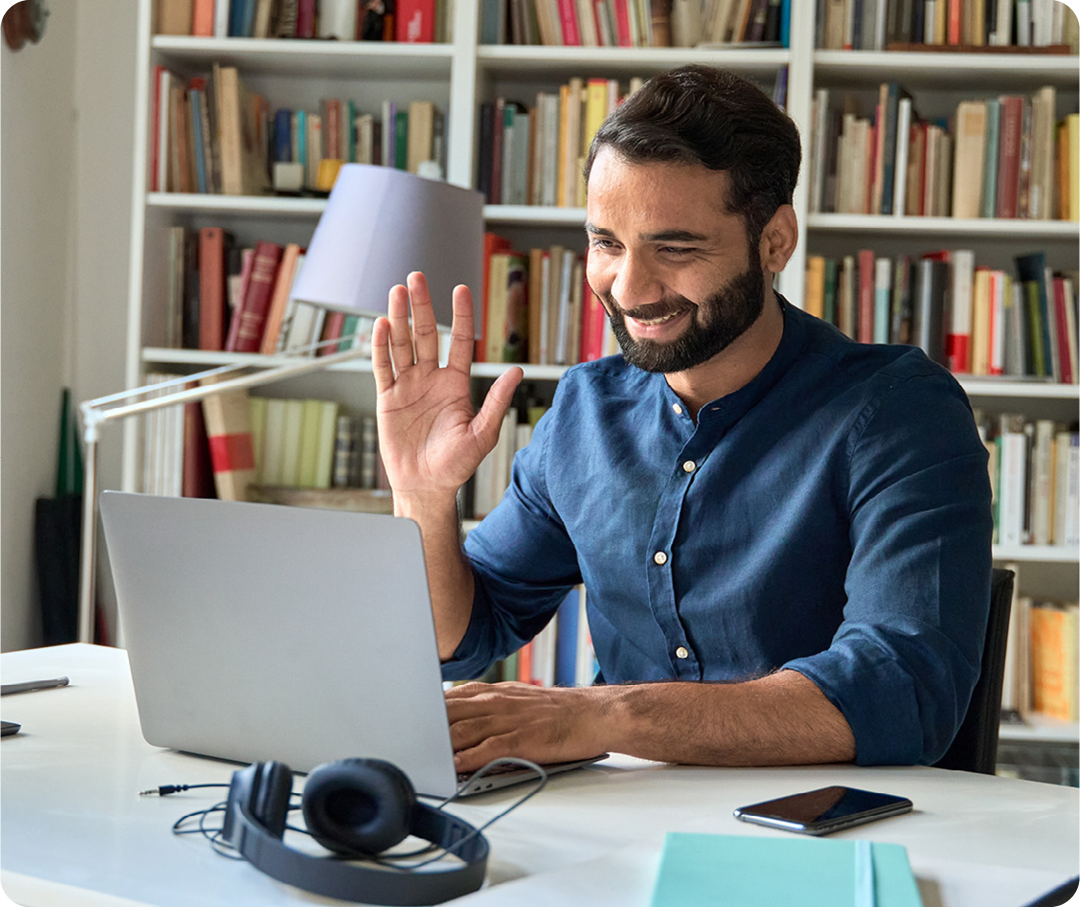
31,685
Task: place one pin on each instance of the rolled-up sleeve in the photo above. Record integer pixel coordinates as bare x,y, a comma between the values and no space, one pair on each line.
905,659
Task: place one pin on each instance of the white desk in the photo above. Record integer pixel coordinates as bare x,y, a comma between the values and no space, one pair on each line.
74,830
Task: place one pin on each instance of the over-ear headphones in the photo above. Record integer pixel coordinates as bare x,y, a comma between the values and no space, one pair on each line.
355,808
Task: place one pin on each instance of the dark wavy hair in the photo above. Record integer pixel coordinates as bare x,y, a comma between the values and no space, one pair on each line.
701,115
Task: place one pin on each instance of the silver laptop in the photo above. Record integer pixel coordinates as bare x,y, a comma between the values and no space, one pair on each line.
260,632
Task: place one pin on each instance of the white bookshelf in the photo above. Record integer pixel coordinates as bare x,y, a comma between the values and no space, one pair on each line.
458,76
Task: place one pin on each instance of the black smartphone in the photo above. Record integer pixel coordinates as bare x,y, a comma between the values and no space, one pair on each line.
823,811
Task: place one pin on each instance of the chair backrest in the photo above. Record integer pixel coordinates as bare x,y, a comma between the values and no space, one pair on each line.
974,749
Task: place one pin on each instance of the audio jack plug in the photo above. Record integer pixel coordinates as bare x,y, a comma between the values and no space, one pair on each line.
167,789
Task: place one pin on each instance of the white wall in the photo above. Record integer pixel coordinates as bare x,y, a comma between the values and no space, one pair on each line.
66,115
37,130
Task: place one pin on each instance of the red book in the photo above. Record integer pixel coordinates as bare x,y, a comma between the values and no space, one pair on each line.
622,24
568,19
866,296
211,288
232,450
202,18
1012,123
305,19
332,329
492,243
414,21
246,327
954,32
198,480
593,323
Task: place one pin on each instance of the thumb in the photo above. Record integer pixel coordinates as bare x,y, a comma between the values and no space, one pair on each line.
487,422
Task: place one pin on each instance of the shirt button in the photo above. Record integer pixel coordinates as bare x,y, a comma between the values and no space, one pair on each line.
660,558
689,466
677,408
681,652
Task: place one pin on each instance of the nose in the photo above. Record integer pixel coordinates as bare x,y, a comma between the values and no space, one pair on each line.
635,281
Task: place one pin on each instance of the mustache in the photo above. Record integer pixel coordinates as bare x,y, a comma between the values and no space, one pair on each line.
669,305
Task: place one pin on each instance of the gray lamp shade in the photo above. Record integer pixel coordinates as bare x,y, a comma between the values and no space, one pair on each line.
380,224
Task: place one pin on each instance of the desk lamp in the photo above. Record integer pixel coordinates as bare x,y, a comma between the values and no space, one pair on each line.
379,224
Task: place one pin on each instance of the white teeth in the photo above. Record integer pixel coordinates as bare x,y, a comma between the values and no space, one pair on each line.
652,321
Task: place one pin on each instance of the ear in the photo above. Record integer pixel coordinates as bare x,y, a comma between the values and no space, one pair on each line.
778,239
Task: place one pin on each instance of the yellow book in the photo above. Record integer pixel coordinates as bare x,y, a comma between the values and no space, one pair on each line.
815,286
1054,660
596,103
560,181
495,330
324,459
980,323
970,152
1072,123
421,132
310,425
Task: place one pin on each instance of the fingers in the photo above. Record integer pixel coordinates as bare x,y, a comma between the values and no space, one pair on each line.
424,331
401,341
461,331
380,355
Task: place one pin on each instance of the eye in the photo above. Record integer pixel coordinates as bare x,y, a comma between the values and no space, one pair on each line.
598,242
678,251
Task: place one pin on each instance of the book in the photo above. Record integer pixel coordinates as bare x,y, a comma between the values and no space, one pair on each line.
1008,175
970,151
213,309
279,300
1054,680
249,319
229,437
958,328
928,316
174,17
755,870
198,471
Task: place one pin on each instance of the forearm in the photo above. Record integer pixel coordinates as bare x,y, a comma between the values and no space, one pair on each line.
782,719
450,578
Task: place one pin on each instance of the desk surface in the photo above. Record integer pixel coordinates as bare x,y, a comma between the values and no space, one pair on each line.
75,831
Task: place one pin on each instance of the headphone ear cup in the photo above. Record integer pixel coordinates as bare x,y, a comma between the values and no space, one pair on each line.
261,790
358,806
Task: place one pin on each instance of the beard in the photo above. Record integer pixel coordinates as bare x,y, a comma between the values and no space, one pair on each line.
718,321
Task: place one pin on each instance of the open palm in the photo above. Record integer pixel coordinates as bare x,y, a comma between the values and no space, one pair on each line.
430,437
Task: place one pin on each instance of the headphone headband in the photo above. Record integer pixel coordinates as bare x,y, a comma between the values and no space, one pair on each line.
258,797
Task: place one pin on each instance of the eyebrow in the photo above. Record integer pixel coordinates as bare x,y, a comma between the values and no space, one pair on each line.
661,236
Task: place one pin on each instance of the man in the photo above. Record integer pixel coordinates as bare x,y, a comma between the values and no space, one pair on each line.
784,535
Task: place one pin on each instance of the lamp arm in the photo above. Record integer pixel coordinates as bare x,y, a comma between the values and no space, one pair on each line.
101,410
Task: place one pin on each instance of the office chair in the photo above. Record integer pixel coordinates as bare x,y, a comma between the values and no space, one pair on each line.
974,749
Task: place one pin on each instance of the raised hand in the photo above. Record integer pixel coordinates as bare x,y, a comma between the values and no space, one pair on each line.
430,437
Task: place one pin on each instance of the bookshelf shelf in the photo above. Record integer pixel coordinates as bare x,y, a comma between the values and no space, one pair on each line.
274,56
967,71
1036,554
534,215
1041,729
612,61
959,228
1032,390
256,205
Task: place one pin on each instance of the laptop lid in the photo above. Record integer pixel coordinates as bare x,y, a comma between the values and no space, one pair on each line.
259,632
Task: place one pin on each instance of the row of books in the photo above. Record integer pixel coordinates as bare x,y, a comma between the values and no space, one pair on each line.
413,21
973,320
534,155
1041,665
1003,157
559,655
537,307
225,296
635,23
1035,474
212,135
492,476
968,24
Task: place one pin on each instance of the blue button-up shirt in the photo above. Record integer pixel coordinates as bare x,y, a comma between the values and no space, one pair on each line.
831,517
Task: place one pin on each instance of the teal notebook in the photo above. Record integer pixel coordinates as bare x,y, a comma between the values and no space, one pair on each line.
745,871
